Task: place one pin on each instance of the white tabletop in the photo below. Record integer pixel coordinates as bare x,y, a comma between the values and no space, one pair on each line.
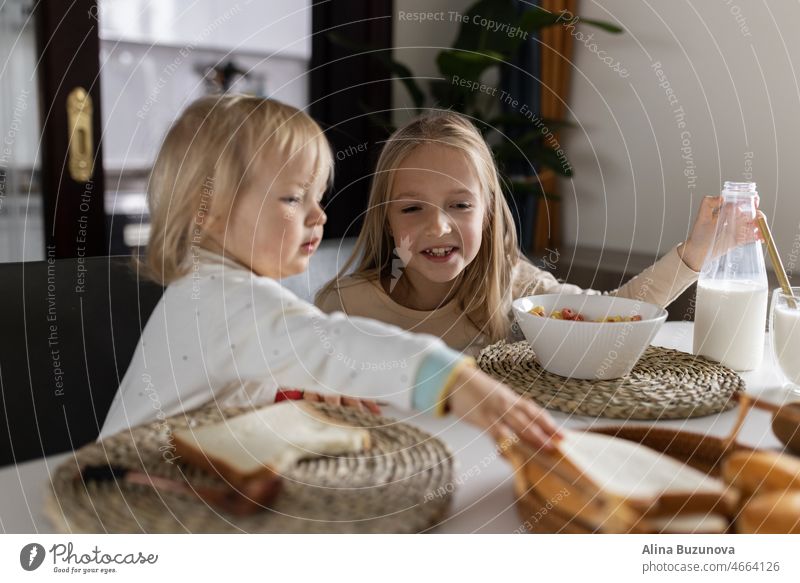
484,498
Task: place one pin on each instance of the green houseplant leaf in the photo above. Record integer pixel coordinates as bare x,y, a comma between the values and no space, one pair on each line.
531,149
467,65
603,25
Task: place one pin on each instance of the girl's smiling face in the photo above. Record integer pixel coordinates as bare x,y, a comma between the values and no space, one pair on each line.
436,214
276,223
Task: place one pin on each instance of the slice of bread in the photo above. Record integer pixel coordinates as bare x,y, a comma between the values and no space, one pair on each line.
267,441
610,484
633,471
649,481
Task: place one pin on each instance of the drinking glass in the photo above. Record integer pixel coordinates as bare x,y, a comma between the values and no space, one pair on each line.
784,325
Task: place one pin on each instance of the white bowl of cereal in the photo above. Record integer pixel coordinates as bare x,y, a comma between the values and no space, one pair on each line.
587,336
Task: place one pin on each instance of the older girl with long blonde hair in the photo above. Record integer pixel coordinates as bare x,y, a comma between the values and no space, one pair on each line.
438,252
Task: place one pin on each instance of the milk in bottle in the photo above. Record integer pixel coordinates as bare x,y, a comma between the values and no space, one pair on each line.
732,290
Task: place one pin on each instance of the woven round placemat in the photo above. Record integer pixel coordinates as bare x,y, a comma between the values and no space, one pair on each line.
664,384
401,484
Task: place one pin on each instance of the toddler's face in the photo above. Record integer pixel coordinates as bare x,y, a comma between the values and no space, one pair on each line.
276,224
436,213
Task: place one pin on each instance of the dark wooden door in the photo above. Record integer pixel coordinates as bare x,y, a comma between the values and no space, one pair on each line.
349,92
72,163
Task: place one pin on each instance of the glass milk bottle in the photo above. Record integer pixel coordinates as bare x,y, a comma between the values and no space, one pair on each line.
732,290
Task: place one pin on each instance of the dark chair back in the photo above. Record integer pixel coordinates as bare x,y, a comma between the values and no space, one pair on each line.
69,330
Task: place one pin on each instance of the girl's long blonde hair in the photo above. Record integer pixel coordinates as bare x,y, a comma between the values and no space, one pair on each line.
208,156
484,287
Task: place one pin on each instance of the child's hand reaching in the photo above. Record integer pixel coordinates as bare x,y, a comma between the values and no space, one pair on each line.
345,401
695,249
341,400
489,404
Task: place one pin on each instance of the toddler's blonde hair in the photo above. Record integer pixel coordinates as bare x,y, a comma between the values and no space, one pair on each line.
484,287
209,155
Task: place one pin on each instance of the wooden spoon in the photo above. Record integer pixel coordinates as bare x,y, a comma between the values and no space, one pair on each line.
777,264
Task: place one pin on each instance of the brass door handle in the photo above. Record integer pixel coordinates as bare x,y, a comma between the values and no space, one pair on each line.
81,140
